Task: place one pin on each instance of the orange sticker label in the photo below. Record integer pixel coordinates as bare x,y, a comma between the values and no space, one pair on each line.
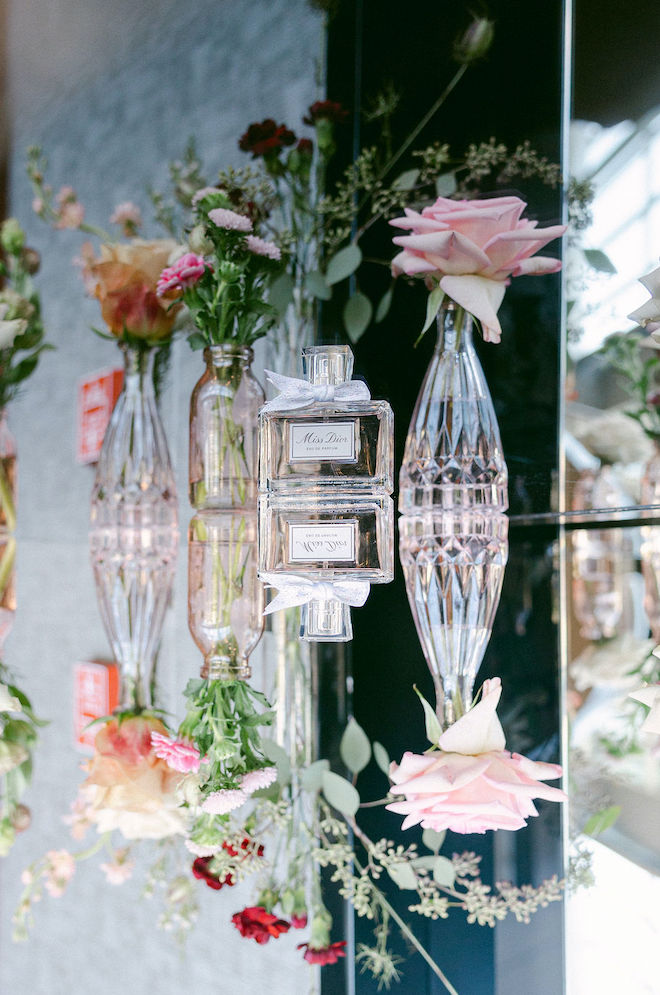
97,395
96,693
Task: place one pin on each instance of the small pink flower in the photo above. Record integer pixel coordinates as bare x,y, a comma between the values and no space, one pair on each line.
38,205
177,753
223,801
59,871
260,247
70,215
119,871
66,195
27,877
204,192
471,784
128,216
183,273
256,779
224,218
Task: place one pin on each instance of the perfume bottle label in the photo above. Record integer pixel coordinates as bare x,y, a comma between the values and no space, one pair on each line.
319,441
313,541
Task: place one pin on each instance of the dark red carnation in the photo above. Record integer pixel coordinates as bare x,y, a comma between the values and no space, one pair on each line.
256,924
200,869
325,110
246,842
305,146
298,922
265,137
323,955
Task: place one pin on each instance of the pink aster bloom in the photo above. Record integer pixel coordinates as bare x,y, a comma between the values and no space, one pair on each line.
472,247
177,753
224,218
204,192
183,273
472,783
223,801
256,779
260,247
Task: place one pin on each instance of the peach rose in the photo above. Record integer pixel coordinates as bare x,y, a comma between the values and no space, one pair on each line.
472,783
472,247
129,788
124,279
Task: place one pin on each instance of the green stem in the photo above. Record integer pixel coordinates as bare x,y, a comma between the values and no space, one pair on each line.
7,499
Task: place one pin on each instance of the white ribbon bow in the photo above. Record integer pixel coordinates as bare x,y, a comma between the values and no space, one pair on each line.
295,590
296,393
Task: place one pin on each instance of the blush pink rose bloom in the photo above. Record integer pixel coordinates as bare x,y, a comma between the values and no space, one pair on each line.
183,273
472,783
472,247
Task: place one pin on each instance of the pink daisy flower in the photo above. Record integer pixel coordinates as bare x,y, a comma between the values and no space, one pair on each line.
256,779
177,753
224,218
223,801
260,247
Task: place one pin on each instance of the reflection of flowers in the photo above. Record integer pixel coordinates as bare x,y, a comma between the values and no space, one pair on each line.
609,663
470,249
323,955
473,784
648,315
18,738
649,696
128,787
256,924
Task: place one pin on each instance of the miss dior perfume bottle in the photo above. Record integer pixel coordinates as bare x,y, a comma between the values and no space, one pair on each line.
331,548
325,433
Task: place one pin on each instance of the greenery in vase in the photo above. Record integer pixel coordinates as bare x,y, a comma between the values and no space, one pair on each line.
18,738
641,374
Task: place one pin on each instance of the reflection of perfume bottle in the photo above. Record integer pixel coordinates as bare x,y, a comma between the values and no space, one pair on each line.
328,435
322,544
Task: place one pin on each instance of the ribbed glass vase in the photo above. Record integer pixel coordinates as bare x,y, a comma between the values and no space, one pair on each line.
133,530
453,453
453,564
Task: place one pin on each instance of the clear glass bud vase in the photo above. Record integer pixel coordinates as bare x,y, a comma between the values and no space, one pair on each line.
133,530
223,430
453,454
453,563
225,598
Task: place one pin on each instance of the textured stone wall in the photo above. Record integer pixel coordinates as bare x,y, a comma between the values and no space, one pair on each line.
112,89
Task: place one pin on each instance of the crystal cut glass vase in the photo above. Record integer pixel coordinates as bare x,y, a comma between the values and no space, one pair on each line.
133,530
453,453
225,598
223,430
453,563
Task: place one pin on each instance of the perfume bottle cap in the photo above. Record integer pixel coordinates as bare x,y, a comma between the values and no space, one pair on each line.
327,364
326,621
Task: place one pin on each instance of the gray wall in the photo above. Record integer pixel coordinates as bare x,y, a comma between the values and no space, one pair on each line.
112,89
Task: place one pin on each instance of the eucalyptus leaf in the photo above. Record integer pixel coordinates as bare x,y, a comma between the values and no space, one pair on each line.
343,263
312,776
280,293
433,840
357,315
445,184
340,793
403,876
443,872
381,757
599,261
433,727
316,285
274,752
406,180
602,820
384,305
355,748
196,341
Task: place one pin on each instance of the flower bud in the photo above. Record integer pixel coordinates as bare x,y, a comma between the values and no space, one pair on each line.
30,260
12,237
198,241
476,40
21,818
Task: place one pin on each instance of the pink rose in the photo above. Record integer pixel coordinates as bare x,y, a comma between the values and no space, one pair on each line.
185,272
472,783
472,247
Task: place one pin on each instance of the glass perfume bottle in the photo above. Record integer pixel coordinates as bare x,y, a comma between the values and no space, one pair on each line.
325,543
325,433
